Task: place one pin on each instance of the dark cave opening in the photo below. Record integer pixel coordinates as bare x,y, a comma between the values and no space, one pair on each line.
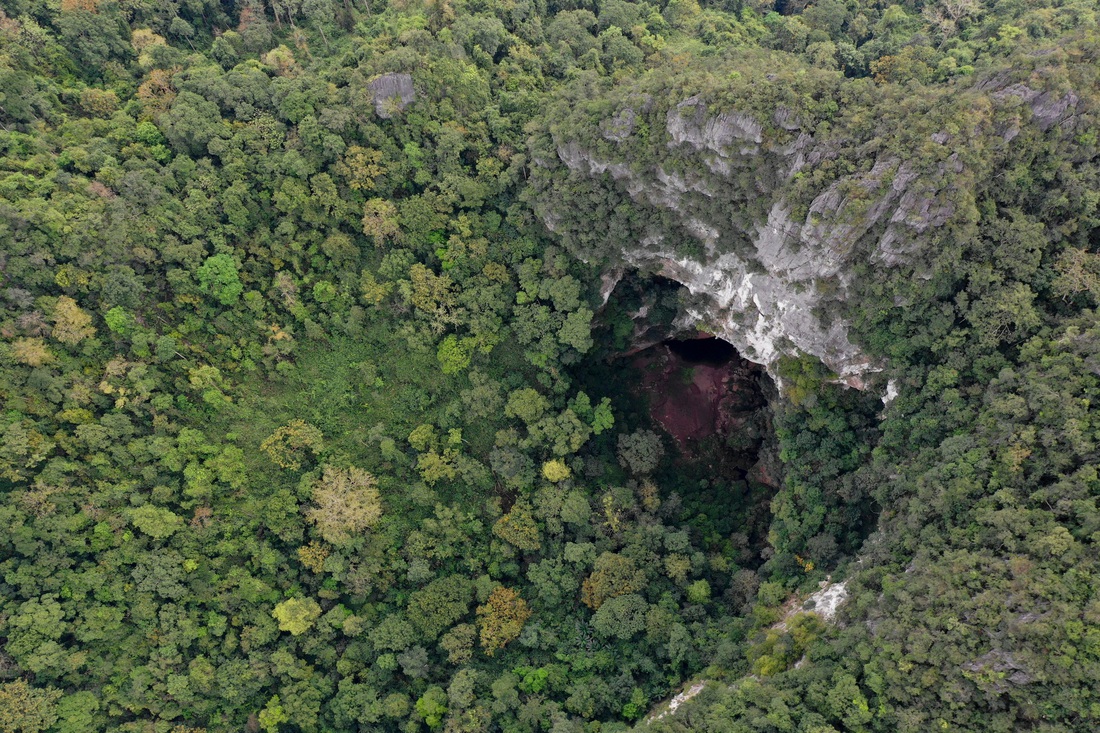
711,406
704,395
717,414
709,350
714,407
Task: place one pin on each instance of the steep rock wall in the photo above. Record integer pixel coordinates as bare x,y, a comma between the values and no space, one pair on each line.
733,204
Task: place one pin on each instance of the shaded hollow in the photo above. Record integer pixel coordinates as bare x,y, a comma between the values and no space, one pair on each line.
722,466
714,406
708,350
705,396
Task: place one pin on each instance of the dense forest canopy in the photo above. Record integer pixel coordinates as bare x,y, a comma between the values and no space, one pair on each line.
310,423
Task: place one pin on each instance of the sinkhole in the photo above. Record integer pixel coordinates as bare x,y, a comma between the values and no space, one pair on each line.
711,406
714,407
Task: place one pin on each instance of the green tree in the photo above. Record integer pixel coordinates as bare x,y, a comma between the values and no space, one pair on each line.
847,703
621,617
219,277
296,615
526,404
640,451
191,124
93,39
518,528
26,709
577,330
459,643
614,575
77,713
440,604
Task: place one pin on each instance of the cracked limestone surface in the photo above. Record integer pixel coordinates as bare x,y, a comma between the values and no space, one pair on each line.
712,209
764,299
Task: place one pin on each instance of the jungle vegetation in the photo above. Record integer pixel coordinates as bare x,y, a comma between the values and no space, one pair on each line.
309,424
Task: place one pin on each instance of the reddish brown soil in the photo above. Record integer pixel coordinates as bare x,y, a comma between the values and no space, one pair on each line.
694,401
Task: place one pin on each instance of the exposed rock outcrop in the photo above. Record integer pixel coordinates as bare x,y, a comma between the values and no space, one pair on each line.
763,297
689,123
999,670
1048,108
391,93
670,708
714,198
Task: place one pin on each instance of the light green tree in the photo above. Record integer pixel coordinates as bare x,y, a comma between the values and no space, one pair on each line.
432,707
218,276
273,715
297,615
555,471
155,521
454,354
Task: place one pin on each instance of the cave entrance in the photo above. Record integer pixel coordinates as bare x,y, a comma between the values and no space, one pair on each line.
714,406
709,350
705,396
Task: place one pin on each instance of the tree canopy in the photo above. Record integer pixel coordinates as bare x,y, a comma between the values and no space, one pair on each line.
319,326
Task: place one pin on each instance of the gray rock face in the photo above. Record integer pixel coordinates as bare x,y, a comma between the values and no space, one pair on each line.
619,128
713,208
765,300
1009,671
1047,108
689,123
391,93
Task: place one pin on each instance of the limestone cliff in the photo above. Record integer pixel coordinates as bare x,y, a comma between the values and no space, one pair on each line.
767,214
